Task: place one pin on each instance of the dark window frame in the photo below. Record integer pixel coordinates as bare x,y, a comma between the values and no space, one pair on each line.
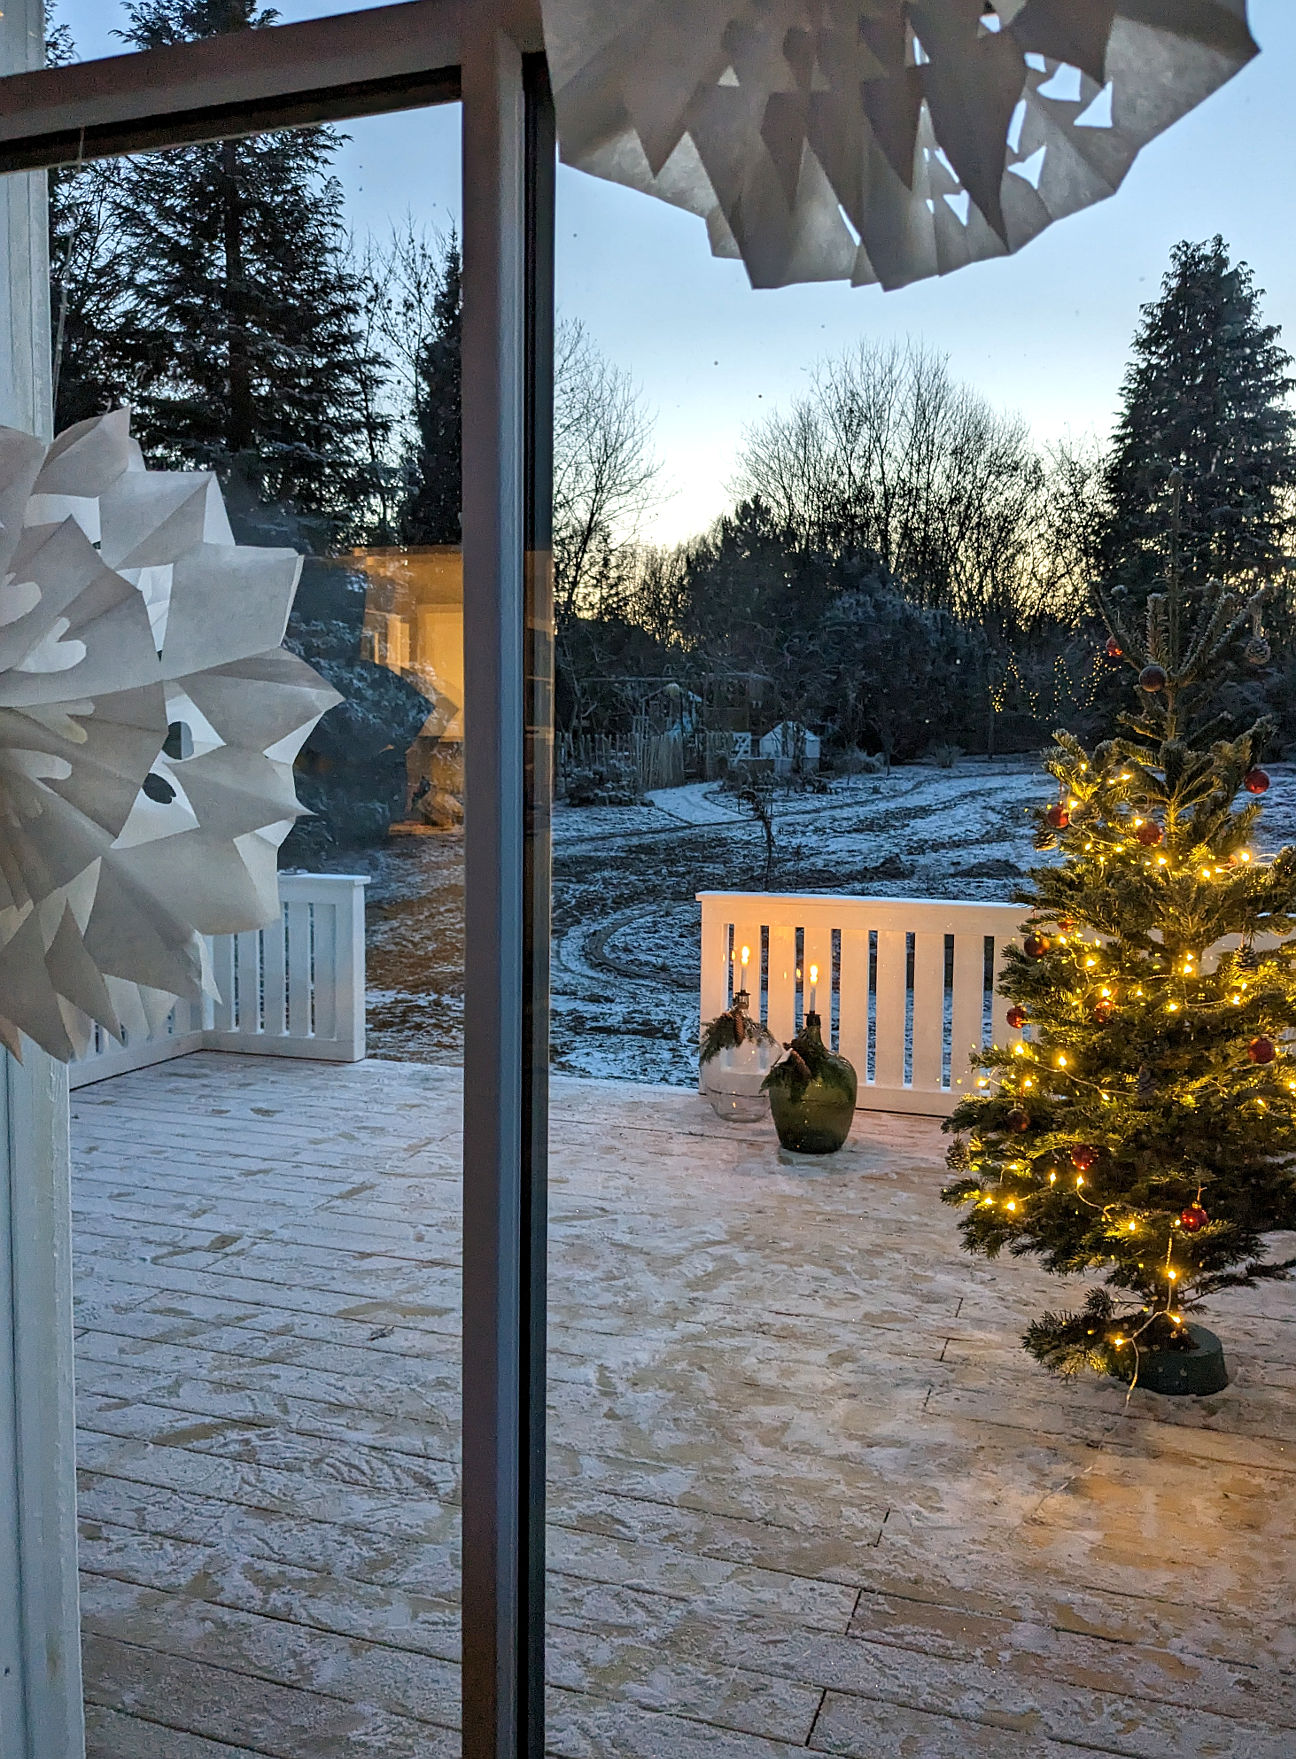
489,55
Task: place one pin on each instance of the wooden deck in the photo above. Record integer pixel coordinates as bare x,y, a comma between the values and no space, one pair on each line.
806,1491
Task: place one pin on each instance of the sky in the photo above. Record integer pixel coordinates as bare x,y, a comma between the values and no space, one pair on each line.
1045,333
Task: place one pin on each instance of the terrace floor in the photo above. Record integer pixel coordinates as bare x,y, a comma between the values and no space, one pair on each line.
806,1492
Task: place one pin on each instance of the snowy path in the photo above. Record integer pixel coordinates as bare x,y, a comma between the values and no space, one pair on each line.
625,969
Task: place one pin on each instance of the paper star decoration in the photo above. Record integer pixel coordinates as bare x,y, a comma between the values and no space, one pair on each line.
149,718
878,140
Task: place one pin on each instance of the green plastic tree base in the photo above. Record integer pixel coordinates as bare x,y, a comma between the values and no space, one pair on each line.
1178,1372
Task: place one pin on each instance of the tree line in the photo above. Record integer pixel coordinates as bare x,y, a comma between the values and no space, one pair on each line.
907,568
901,566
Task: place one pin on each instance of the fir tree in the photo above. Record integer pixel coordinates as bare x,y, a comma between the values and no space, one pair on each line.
431,514
1143,1130
88,278
243,314
1205,396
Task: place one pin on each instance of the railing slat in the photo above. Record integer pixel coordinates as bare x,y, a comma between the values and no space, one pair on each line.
782,980
274,977
714,962
747,933
969,1006
300,978
853,1036
889,1049
222,954
929,1012
325,962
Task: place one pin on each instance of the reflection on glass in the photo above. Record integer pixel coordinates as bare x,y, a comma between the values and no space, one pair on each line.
268,1240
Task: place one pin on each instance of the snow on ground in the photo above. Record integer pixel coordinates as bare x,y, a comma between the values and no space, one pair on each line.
626,926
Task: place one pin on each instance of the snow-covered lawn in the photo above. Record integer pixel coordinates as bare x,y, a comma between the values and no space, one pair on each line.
625,973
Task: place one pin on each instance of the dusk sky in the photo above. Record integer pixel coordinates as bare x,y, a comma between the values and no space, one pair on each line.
1046,332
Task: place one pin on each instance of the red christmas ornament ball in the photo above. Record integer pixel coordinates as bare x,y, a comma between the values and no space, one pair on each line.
1149,834
1152,679
1193,1219
1019,1119
1017,1018
1103,1010
1114,648
1255,781
1036,945
1058,817
1083,1157
1066,924
1262,1050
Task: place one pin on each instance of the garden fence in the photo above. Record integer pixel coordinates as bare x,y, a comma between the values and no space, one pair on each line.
906,987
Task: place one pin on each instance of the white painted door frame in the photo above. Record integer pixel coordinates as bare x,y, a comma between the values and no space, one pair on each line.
40,1639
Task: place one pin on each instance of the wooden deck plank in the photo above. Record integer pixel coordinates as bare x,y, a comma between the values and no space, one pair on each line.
806,1492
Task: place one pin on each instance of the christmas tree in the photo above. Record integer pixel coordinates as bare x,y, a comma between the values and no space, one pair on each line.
1142,1129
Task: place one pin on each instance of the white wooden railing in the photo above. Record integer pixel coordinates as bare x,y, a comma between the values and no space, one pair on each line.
907,986
295,989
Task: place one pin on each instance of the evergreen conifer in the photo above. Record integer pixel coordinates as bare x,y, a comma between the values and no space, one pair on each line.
1204,396
431,512
240,318
1138,1123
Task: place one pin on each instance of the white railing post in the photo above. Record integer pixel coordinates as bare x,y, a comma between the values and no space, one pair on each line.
907,993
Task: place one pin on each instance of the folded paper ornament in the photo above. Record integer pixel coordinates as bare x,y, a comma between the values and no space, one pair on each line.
878,140
149,719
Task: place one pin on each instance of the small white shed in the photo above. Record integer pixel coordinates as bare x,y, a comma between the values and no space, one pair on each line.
792,746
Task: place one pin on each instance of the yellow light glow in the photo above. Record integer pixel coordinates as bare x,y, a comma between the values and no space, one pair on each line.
1012,1206
814,973
1061,1061
1028,1082
1173,1275
1091,961
746,955
1079,1180
1137,823
1019,1049
1133,1227
1246,855
1104,992
1162,861
1206,872
1172,1007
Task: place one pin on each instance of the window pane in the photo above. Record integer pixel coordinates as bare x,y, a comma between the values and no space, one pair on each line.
268,1229
808,1491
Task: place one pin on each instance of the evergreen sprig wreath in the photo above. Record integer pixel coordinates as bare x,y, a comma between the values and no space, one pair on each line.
727,1030
808,1059
1144,1130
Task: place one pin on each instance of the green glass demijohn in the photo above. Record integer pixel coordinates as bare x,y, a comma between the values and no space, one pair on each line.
812,1094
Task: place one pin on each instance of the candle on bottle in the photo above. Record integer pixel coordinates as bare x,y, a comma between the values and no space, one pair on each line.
814,989
746,955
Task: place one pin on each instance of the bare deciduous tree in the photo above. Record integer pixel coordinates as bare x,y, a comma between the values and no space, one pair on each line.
887,453
605,473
